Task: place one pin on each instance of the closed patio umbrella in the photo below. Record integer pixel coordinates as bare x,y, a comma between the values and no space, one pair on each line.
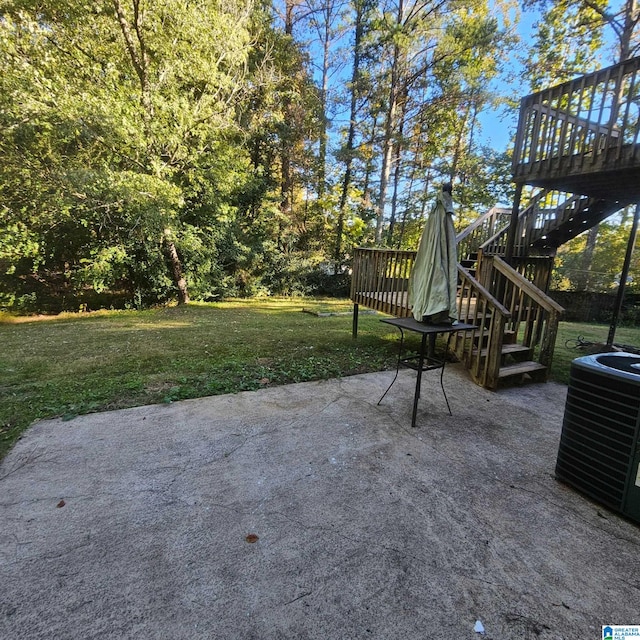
434,277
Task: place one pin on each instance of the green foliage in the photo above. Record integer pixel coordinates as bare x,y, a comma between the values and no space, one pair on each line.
124,129
436,62
567,38
181,148
603,272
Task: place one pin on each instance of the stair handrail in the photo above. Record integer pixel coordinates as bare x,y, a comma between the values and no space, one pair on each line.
568,207
533,312
488,219
530,208
574,126
527,286
495,211
526,219
480,351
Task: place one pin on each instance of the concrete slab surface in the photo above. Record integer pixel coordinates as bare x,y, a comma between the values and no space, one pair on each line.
308,511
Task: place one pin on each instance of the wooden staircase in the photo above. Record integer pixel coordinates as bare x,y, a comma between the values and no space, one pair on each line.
577,149
550,219
515,337
517,320
515,359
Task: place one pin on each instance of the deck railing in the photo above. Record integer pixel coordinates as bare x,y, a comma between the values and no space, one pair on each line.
533,316
380,279
582,126
544,211
481,350
481,229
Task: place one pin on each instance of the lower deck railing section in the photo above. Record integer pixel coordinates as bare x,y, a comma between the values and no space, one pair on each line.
380,280
504,303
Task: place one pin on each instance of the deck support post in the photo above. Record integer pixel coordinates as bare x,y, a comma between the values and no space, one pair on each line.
513,225
623,276
354,332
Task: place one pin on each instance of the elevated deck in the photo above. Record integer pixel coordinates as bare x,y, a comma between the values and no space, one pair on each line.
583,136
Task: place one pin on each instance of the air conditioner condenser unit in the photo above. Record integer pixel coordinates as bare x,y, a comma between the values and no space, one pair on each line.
599,452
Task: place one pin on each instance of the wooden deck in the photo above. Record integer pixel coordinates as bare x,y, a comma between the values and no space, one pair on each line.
583,136
380,281
395,303
398,301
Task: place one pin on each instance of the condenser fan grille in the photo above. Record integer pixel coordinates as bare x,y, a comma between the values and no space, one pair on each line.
599,434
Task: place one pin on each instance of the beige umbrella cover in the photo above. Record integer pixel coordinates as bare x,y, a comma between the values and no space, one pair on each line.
434,277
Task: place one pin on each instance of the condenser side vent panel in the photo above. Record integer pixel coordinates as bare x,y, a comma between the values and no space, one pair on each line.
599,440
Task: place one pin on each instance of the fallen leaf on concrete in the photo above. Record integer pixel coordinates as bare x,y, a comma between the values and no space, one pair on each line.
251,538
61,504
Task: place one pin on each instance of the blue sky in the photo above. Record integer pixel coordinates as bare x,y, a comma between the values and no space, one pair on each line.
499,125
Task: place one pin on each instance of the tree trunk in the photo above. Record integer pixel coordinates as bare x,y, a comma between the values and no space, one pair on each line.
385,171
397,171
629,24
137,49
176,268
286,174
394,197
322,147
138,54
389,131
353,107
368,169
408,199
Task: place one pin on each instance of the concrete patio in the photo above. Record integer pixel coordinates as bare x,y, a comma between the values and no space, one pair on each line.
308,511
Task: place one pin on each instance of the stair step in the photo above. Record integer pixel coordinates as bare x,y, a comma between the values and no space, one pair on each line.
507,350
519,368
514,347
508,338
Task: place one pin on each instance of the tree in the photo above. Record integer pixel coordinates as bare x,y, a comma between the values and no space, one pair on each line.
435,56
161,148
604,271
119,111
348,151
567,40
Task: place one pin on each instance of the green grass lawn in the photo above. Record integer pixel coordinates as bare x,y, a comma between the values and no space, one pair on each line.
77,363
568,333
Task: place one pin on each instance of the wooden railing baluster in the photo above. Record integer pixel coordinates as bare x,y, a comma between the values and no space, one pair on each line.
579,129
